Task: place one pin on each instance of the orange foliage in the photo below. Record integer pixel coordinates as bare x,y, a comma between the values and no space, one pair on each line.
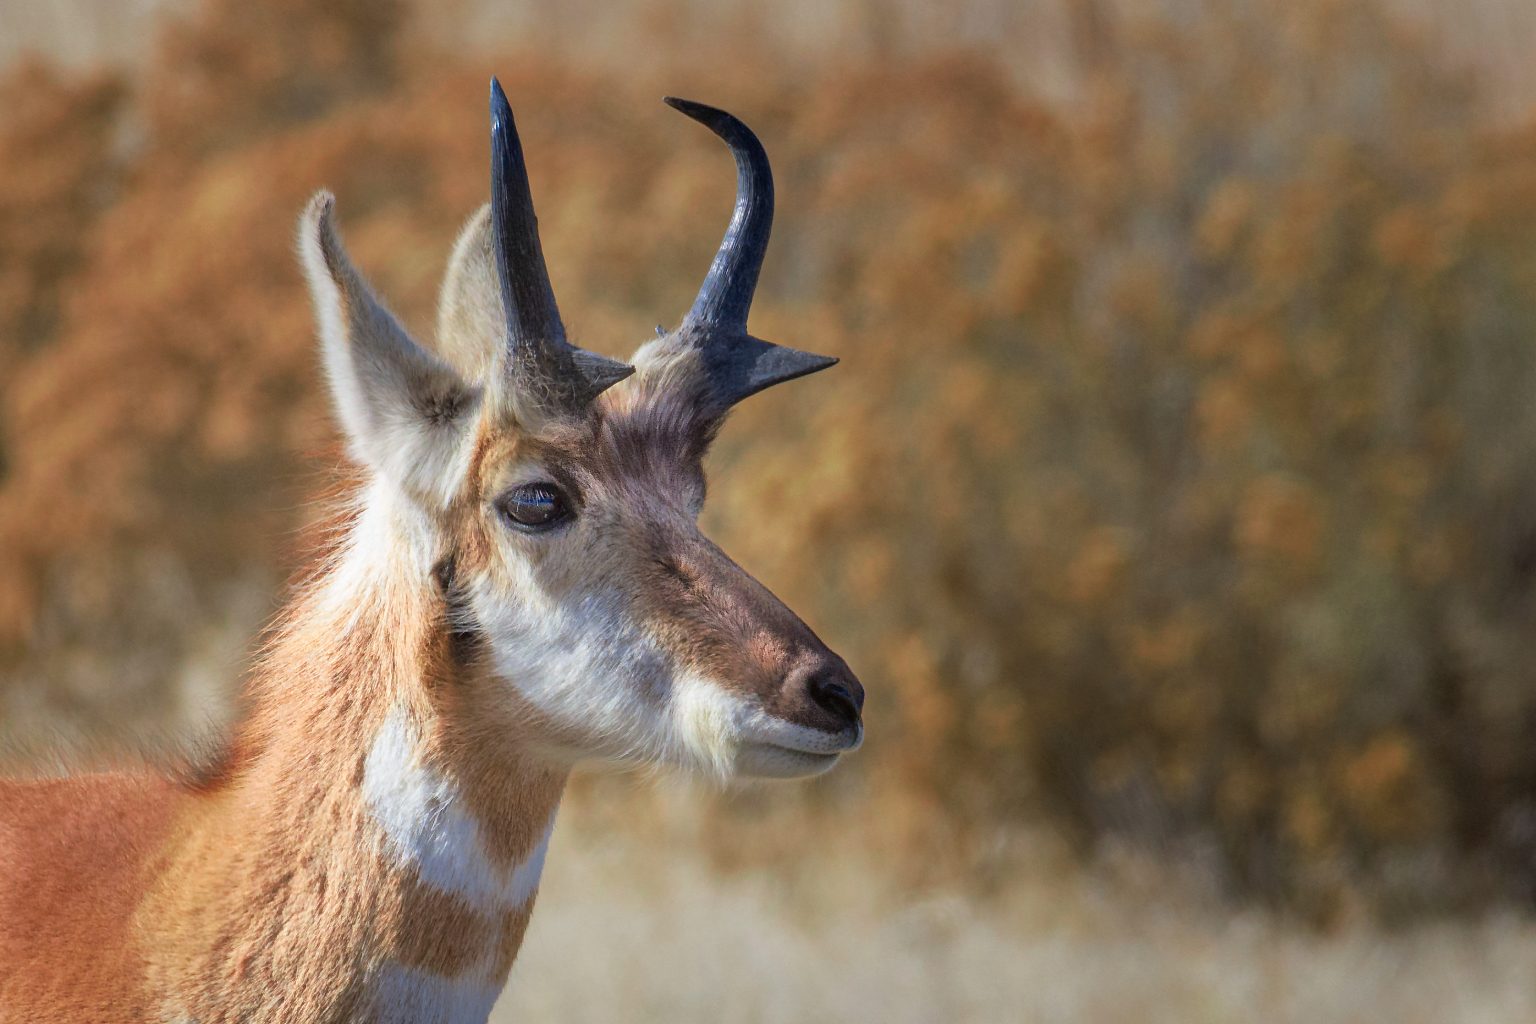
1180,476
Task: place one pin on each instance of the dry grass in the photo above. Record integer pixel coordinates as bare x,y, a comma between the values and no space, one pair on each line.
645,929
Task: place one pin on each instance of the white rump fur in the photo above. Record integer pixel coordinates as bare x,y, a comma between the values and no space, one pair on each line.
406,414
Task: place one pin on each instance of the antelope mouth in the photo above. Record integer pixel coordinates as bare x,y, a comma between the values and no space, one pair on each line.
783,750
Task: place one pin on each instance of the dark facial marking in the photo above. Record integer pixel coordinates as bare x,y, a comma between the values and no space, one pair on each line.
465,638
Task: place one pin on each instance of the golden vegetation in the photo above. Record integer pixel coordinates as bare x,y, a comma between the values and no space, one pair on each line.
1179,483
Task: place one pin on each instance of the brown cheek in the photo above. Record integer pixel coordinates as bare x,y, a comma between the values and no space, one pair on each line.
711,627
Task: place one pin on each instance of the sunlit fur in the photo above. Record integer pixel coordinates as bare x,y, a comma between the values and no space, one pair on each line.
368,848
690,651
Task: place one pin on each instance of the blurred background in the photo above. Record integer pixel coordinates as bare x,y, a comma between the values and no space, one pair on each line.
1175,499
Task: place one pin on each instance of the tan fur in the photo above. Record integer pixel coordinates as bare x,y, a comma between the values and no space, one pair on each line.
75,857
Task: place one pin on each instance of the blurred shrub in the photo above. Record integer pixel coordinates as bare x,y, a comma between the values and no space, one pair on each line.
1179,482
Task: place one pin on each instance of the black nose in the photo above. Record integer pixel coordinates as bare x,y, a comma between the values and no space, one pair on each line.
836,691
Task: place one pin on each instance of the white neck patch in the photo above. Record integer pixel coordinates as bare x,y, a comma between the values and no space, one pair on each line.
407,995
426,826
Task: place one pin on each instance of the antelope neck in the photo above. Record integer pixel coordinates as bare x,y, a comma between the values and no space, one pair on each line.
358,863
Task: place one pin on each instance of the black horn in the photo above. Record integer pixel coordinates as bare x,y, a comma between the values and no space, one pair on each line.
739,365
559,376
726,295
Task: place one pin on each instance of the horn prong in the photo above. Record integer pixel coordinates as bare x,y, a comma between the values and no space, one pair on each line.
736,364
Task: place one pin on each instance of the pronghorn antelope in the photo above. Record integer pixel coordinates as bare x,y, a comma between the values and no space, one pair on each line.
523,586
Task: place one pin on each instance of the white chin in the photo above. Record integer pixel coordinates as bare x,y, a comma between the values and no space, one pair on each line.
767,761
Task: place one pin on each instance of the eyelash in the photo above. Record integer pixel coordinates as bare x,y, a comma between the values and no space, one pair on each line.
536,507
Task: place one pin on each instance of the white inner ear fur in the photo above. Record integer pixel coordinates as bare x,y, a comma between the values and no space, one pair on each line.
406,414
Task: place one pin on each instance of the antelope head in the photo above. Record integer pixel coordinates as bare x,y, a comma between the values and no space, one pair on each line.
552,495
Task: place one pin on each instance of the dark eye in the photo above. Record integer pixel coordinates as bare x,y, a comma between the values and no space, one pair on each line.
536,506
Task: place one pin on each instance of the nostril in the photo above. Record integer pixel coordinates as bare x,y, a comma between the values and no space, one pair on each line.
843,697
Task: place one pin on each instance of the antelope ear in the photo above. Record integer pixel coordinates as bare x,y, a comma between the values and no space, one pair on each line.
406,414
471,327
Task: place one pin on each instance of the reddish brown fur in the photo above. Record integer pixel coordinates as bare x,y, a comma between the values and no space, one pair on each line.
129,896
77,855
